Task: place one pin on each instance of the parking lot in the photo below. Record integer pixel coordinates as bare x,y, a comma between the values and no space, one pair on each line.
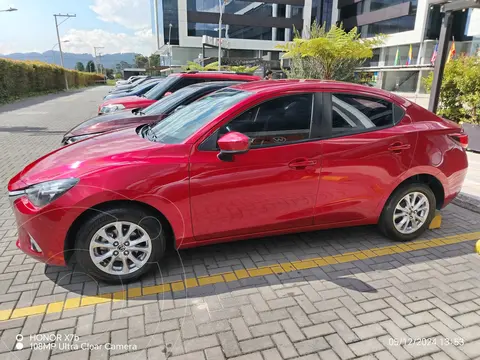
337,294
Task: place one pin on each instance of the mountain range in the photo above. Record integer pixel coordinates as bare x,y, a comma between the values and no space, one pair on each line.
70,59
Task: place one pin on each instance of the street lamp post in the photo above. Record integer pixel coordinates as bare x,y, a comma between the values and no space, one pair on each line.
220,9
67,16
170,46
10,9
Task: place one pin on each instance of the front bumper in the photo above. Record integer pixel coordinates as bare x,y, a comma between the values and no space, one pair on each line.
45,227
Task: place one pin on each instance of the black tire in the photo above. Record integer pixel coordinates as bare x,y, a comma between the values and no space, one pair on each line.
386,222
135,215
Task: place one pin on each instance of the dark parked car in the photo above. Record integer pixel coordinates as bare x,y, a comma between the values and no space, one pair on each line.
155,112
138,90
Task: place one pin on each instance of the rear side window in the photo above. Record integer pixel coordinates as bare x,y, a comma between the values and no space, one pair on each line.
280,121
355,113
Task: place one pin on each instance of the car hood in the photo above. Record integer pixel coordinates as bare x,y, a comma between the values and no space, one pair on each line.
117,95
116,120
127,100
87,156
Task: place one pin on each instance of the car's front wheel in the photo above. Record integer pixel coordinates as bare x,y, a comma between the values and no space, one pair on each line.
119,245
408,212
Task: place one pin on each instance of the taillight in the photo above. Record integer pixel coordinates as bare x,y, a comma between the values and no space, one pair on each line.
460,138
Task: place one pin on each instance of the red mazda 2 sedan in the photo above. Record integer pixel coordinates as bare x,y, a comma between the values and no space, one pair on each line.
257,159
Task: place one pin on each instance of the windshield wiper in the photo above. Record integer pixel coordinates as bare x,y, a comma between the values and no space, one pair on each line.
140,112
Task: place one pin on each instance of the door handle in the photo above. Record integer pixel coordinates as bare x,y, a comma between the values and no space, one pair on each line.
301,163
398,147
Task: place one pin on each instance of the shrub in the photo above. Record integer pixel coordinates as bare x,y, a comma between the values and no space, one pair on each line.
460,90
214,66
24,78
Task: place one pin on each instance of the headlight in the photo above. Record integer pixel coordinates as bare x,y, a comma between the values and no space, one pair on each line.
111,108
44,193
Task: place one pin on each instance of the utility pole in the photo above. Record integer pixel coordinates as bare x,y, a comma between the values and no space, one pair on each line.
96,57
67,16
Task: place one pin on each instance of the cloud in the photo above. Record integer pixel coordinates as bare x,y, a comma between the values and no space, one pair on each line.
83,41
132,14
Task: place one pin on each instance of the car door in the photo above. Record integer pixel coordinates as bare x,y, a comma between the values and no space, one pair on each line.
273,186
371,143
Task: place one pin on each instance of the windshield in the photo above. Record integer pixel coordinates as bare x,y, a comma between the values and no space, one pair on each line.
185,122
157,91
166,104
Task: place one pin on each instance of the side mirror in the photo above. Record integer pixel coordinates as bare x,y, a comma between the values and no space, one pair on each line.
232,143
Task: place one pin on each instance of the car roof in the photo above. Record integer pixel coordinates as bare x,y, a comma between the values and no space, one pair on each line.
274,86
215,84
216,75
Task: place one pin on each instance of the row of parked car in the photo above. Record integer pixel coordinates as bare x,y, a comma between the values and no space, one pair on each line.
145,100
203,158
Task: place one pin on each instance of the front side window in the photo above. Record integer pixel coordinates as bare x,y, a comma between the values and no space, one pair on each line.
283,120
183,123
165,104
355,113
161,88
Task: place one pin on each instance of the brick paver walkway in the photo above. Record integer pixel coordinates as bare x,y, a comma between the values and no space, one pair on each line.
421,301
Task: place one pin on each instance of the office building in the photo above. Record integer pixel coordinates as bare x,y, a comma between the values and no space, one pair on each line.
250,29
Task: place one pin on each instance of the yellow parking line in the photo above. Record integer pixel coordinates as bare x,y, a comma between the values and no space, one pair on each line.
189,283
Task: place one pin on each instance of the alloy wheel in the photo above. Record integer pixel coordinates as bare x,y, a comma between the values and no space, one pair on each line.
120,248
411,212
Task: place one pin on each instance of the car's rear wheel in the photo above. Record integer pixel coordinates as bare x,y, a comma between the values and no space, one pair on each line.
120,245
408,212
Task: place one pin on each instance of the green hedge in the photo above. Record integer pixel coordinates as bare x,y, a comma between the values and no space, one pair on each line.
25,78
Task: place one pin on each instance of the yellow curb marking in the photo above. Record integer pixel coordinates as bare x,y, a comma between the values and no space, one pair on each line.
132,293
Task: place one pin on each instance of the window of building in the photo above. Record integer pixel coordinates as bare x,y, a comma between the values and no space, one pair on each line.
391,26
401,81
280,121
170,16
353,113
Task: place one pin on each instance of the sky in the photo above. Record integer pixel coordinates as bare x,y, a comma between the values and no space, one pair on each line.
117,25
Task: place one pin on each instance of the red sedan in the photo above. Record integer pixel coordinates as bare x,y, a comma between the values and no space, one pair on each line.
257,159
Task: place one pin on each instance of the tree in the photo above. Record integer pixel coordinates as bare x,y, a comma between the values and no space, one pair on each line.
122,65
90,66
332,55
109,73
154,60
141,61
79,66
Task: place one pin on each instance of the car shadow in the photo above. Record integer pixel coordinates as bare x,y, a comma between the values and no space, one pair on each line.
33,130
367,276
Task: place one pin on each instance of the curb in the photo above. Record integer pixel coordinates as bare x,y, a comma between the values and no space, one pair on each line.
467,201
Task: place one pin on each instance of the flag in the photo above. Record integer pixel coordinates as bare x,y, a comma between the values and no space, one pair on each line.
434,55
410,55
452,51
397,58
